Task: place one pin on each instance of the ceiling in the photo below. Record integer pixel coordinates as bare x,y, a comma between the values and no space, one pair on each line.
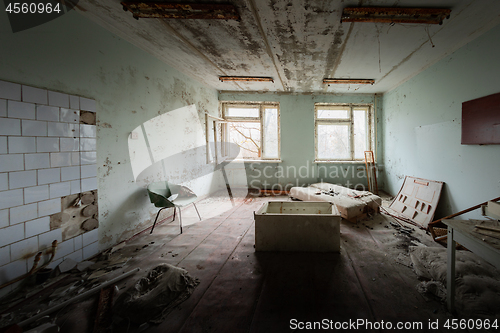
300,42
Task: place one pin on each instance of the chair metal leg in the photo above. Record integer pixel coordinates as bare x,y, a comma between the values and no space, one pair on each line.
197,211
180,219
174,215
156,219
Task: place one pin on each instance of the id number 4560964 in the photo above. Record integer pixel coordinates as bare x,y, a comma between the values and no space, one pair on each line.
32,8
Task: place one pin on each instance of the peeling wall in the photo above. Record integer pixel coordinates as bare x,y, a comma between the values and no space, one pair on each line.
297,142
74,55
422,127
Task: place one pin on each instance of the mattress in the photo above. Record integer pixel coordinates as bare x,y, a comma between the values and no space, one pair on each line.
352,204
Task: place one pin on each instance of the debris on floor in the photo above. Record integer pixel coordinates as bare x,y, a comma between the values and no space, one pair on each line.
478,282
155,295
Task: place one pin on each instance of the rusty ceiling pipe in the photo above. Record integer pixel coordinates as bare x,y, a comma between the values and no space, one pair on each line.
177,10
348,81
246,78
395,15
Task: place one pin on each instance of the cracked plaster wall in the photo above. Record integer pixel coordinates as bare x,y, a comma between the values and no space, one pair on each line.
74,55
422,127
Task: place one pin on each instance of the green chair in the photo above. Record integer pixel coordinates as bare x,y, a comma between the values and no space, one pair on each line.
167,195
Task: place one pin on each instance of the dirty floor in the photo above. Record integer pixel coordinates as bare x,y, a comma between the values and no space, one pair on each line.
239,290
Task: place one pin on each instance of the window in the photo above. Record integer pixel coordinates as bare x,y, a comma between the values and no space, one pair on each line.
343,132
254,128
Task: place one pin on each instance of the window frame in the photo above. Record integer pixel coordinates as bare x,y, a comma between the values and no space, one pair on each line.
260,119
350,107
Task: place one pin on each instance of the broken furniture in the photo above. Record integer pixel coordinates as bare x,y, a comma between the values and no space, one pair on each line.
167,195
297,226
352,205
462,231
371,172
417,200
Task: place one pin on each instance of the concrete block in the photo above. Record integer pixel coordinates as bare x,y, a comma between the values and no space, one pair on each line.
74,102
4,181
87,131
3,108
4,218
90,250
89,170
58,129
87,144
60,160
4,255
45,240
78,242
89,184
75,186
70,173
65,248
90,237
75,158
88,157
3,145
11,162
49,113
76,256
70,144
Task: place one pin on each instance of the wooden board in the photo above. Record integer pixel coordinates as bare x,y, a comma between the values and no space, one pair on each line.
481,121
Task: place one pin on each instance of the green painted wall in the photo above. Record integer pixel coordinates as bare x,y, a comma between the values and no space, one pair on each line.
297,143
74,55
422,127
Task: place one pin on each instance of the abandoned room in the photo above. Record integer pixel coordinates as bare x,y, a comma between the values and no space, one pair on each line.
249,166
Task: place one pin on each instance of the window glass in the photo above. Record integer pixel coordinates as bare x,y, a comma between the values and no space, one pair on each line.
333,142
242,112
271,133
333,114
360,135
247,136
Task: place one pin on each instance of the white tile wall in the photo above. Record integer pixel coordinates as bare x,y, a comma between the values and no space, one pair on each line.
21,144
58,99
12,270
23,248
4,255
78,242
90,237
89,184
11,198
70,173
60,160
4,218
20,110
70,116
47,145
87,104
89,171
75,186
3,145
47,176
35,95
36,193
36,161
3,108
90,250
11,162
49,113
87,131
76,256
87,144
22,179
4,181
34,128
49,207
59,190
74,102
37,226
65,248
11,234
70,144
42,149
10,126
45,240
23,213
88,157
9,90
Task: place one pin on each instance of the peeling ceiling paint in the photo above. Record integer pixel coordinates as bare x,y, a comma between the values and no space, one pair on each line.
300,42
